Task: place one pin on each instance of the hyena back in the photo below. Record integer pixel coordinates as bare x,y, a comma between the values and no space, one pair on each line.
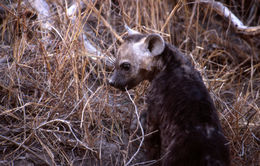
179,105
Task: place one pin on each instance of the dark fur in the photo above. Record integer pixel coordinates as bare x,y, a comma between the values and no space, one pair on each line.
178,102
181,109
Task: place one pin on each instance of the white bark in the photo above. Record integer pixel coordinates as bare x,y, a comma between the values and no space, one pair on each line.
44,14
235,21
94,50
131,31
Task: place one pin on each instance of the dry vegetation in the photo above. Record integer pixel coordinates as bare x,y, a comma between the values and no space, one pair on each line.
57,109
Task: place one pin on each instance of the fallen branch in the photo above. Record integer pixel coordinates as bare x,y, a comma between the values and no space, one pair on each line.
43,11
71,12
236,23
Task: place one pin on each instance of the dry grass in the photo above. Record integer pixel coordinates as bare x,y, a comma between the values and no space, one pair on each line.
57,109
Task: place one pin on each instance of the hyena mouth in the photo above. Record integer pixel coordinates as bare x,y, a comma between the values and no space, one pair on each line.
117,85
121,86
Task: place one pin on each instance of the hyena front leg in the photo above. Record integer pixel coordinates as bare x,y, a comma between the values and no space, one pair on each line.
152,140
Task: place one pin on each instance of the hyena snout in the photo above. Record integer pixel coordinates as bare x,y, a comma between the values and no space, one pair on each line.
111,80
117,81
123,81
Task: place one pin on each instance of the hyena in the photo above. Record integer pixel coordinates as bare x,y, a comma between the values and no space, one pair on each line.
179,105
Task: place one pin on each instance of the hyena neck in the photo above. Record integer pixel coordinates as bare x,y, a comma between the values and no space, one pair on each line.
170,58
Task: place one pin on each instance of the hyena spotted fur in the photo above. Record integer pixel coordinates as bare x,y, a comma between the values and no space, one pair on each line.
179,105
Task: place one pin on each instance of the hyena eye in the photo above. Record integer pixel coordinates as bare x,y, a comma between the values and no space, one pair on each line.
125,66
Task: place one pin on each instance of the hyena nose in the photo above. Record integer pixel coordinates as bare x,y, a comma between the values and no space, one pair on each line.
111,82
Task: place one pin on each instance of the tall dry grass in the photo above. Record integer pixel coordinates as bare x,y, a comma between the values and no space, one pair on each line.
57,109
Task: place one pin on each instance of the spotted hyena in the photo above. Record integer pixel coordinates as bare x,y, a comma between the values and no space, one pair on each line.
179,105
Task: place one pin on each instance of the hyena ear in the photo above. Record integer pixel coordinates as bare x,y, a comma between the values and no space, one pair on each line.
155,44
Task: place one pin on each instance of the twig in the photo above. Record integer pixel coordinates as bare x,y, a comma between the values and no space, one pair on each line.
17,108
69,125
140,125
85,106
171,15
146,163
25,147
138,138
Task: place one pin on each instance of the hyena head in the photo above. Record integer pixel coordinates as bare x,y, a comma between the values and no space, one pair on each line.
136,60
